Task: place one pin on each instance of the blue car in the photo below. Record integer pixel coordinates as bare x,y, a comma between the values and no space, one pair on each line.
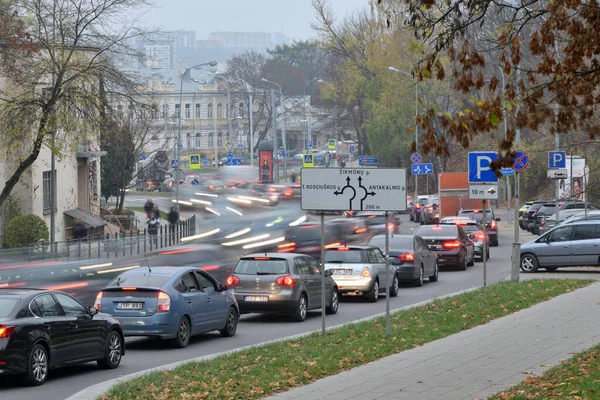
170,303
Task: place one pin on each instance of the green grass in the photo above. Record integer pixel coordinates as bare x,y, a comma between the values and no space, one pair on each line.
576,378
163,215
277,367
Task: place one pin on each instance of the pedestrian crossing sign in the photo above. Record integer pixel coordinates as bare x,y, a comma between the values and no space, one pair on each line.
195,161
308,161
331,144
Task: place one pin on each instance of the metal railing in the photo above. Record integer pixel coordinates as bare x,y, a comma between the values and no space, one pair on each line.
107,246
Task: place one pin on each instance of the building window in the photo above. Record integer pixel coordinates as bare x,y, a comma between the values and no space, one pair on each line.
165,111
219,110
177,110
197,141
220,139
198,111
188,137
47,189
241,110
188,111
210,110
211,140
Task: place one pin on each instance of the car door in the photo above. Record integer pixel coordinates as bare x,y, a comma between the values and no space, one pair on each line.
425,255
217,300
88,334
302,269
196,303
314,272
56,328
585,246
556,247
469,246
377,260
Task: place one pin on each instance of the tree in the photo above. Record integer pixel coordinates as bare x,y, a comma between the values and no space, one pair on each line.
306,56
63,49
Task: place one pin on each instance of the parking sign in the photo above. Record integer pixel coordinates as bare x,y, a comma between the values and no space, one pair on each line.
480,170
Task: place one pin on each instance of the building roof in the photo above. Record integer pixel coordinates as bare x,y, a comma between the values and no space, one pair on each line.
86,217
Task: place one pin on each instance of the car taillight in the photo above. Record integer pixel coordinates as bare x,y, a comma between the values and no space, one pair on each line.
98,302
232,280
480,235
418,206
493,224
286,280
164,302
452,245
288,193
330,245
391,227
286,247
430,208
361,230
407,257
366,272
5,331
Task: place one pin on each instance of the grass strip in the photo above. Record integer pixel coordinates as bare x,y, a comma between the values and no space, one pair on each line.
575,378
280,366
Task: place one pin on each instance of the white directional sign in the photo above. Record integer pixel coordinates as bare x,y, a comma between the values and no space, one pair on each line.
483,192
558,174
359,189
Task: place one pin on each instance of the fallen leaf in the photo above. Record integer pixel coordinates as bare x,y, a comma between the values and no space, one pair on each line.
419,381
546,365
528,372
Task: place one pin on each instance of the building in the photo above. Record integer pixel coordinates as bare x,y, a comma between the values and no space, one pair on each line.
259,41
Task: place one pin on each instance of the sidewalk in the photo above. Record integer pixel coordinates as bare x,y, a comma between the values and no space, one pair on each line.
476,363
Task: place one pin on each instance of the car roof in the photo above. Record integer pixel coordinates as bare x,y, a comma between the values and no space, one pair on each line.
167,271
20,292
394,236
286,256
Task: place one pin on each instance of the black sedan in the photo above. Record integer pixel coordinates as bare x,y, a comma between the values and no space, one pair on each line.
45,329
451,244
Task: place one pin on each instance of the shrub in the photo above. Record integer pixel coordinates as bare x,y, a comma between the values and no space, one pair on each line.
26,229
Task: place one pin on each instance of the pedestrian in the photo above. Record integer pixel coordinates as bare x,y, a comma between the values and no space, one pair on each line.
153,224
173,218
148,207
79,229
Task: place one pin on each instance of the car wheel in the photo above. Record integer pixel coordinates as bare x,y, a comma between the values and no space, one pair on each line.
231,324
419,281
463,262
395,287
436,270
37,366
373,294
529,263
301,309
334,302
551,269
113,351
182,336
472,262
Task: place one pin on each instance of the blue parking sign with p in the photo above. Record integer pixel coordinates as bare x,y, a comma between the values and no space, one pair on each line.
557,159
480,169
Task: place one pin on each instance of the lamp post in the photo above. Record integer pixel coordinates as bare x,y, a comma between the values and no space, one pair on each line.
416,114
179,145
275,128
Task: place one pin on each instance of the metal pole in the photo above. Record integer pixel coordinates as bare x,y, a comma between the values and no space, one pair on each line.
322,273
229,132
284,149
557,141
52,157
178,149
485,250
273,114
308,130
416,134
508,196
388,274
216,139
516,250
250,112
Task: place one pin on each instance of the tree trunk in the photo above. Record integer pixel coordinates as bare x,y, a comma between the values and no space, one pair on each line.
120,201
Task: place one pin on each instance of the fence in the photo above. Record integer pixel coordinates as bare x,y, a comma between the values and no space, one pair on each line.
104,246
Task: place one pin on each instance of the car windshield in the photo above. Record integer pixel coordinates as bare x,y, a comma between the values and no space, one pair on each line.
395,242
343,256
261,267
436,230
138,280
7,306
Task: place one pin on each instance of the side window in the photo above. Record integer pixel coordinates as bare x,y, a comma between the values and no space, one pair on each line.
560,234
71,307
371,257
311,265
207,284
421,243
380,256
47,306
300,266
189,283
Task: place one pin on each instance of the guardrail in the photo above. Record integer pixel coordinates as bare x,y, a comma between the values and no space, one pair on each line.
107,246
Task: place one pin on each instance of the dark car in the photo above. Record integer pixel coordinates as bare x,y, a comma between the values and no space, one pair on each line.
305,238
430,212
277,283
491,222
474,230
411,257
523,216
451,244
45,329
415,211
376,221
529,215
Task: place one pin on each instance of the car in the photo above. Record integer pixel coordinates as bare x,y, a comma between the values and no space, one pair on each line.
430,212
375,221
529,215
275,283
592,215
571,245
491,222
522,214
353,230
474,230
305,238
451,244
293,192
415,211
45,329
360,271
410,256
169,303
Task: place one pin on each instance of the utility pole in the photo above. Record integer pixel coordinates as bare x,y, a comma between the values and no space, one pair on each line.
216,139
250,112
274,116
229,133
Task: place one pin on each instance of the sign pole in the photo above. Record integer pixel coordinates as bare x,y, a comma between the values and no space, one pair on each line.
516,250
485,250
388,274
323,273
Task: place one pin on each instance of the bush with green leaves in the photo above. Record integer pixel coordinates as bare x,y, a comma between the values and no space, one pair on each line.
26,229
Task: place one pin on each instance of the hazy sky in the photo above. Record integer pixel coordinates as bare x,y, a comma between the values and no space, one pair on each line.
293,18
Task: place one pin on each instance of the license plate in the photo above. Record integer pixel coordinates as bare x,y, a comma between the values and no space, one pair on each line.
258,299
129,306
341,271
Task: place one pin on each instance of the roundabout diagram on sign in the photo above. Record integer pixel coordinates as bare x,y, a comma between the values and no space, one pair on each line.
341,190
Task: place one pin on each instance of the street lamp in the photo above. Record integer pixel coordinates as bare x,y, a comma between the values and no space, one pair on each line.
179,145
275,127
416,115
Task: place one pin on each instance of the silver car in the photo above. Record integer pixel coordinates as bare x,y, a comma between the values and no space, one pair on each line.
572,245
360,271
276,283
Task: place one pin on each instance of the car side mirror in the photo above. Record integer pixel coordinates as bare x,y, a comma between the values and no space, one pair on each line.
328,273
498,219
223,287
92,310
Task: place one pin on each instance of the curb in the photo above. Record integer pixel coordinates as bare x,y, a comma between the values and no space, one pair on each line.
92,392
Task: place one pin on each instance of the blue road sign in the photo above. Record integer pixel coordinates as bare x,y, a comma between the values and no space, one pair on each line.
240,146
281,154
310,144
174,164
229,162
143,158
205,161
229,154
308,158
507,171
287,153
194,160
351,149
237,161
521,161
368,161
416,158
320,158
557,159
422,169
480,170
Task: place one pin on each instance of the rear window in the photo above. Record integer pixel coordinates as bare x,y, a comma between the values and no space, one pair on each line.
468,227
7,306
395,243
436,230
135,280
479,217
261,267
344,256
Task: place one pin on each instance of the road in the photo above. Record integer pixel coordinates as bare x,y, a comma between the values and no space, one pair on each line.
145,353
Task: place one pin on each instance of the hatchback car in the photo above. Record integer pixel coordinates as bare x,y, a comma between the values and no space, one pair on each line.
45,329
170,303
415,211
430,212
376,221
474,230
451,244
571,245
305,238
411,257
360,271
274,283
491,222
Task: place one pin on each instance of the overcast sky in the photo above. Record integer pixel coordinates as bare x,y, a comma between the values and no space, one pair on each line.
293,18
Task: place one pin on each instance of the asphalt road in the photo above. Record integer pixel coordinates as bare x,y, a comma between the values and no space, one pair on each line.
144,353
